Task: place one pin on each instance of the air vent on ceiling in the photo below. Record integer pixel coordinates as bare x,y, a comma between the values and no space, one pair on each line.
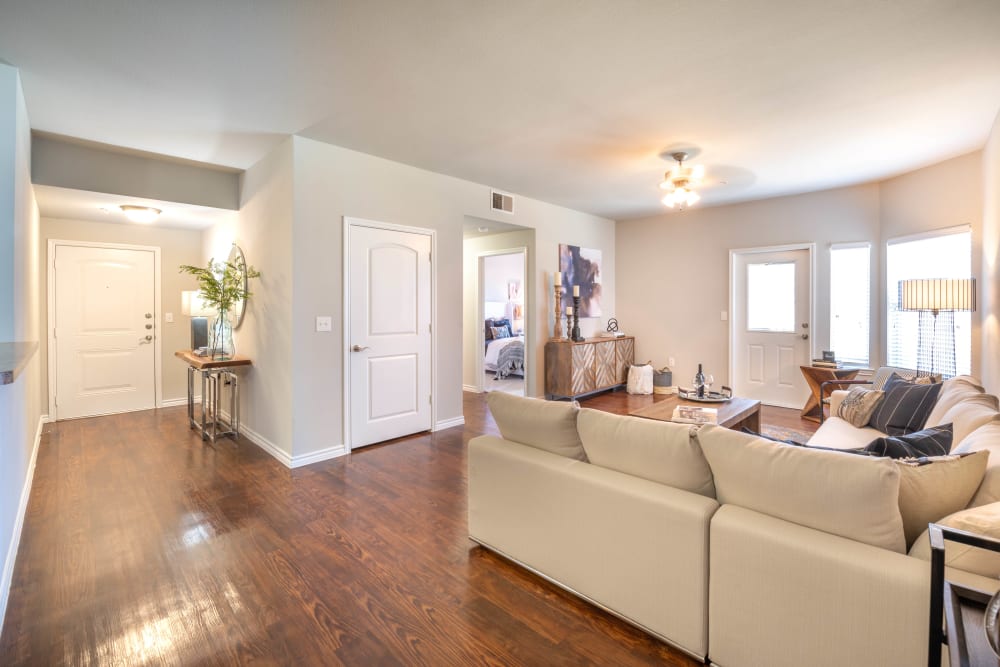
503,202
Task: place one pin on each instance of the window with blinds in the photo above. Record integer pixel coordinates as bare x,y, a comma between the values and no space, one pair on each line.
850,303
914,339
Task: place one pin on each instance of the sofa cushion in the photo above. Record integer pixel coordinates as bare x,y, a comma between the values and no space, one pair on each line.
856,497
929,442
985,438
983,520
655,450
905,407
953,390
969,414
548,425
837,433
932,488
859,404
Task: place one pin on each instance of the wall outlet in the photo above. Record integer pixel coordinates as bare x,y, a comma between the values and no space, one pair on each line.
168,318
724,316
324,323
672,363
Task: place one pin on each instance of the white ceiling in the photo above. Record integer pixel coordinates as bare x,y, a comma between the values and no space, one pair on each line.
566,101
472,227
55,202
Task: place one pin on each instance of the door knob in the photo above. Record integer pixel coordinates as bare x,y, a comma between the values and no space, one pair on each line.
145,339
358,348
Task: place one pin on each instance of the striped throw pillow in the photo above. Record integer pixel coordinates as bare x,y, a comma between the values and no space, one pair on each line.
905,407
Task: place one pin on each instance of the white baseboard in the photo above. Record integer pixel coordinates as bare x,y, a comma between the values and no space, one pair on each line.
316,457
22,508
174,402
282,456
471,387
45,419
449,423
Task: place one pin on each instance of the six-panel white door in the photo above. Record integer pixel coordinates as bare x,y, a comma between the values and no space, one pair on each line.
390,339
104,331
771,334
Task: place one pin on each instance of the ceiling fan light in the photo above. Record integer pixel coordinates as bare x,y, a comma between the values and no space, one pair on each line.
142,214
692,198
698,172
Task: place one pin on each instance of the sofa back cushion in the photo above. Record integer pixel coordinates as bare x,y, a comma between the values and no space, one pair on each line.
905,407
856,497
931,491
658,451
970,413
985,438
548,425
953,390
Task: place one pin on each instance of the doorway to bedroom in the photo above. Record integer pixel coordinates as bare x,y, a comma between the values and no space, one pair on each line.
501,302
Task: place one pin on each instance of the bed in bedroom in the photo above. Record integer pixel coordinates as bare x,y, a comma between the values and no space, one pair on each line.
504,351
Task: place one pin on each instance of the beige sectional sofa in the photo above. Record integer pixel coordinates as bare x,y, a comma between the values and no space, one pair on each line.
730,547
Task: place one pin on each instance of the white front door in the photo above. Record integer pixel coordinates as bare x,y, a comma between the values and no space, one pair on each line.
389,333
771,325
104,331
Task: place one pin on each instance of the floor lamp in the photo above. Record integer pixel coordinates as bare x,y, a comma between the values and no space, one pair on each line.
934,295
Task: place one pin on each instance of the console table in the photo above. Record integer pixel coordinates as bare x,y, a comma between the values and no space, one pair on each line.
214,374
595,364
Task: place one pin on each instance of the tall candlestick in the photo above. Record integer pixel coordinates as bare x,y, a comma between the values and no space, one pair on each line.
577,337
576,291
557,334
569,322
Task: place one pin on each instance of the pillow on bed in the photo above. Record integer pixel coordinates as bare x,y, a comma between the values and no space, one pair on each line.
500,332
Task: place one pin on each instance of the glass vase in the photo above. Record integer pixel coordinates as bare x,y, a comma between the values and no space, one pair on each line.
221,338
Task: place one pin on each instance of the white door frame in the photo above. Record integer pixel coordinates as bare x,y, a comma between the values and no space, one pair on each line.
51,310
733,254
481,315
350,222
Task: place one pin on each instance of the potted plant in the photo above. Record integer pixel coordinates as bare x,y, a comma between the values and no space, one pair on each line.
223,285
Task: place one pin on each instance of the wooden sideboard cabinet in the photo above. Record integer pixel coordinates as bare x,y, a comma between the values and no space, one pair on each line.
596,364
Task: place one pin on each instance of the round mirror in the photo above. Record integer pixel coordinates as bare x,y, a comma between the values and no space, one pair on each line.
237,259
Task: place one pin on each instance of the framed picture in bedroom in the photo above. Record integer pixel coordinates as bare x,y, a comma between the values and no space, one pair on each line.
514,290
581,267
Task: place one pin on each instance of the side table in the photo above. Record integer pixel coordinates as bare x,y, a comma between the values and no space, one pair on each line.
214,374
815,377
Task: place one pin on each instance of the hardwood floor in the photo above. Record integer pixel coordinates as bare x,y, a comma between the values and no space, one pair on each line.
143,545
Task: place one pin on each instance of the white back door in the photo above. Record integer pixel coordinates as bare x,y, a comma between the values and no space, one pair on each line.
389,289
771,326
104,331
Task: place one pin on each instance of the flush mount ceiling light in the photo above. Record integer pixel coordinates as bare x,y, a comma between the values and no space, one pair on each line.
145,214
679,182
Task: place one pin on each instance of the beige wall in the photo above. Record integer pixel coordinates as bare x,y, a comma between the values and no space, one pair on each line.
177,246
990,275
263,229
471,324
20,408
333,182
674,279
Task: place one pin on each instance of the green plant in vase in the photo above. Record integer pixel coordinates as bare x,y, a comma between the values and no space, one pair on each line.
222,285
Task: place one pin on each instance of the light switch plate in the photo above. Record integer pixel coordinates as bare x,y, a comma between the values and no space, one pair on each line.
324,323
168,318
724,316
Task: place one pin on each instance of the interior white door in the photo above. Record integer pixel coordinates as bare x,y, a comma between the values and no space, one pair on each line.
389,289
104,330
771,326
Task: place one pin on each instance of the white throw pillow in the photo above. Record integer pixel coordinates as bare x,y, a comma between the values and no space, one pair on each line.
934,490
985,521
953,390
658,451
548,425
853,496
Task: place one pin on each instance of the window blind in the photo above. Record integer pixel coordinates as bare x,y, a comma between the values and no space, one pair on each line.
850,302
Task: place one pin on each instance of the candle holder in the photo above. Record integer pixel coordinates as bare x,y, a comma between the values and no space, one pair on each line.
557,333
577,338
569,326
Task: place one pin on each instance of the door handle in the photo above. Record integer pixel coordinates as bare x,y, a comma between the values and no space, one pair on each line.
359,348
145,339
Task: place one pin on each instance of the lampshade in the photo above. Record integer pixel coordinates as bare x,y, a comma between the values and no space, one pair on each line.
193,305
937,294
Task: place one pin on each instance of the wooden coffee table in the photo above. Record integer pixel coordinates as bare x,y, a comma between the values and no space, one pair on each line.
735,413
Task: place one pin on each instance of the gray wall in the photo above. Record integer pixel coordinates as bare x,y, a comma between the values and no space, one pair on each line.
673,283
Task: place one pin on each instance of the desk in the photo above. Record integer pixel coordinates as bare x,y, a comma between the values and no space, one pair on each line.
214,374
815,377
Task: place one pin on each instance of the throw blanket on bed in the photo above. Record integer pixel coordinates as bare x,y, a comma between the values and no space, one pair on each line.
510,359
